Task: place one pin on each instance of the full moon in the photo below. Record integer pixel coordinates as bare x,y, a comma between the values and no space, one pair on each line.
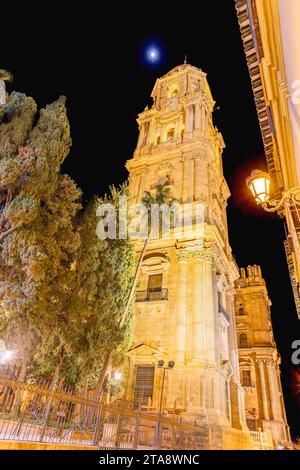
153,54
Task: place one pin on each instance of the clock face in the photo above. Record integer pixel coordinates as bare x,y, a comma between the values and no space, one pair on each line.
172,101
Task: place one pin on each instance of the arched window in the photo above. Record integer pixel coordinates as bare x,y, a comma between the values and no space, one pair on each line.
243,340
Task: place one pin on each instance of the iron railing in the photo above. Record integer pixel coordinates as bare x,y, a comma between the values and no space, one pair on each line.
148,295
34,412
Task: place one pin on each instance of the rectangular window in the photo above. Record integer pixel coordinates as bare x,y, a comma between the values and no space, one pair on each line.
154,283
143,387
246,377
251,423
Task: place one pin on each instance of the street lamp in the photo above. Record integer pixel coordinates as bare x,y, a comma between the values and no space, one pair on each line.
117,376
259,184
4,77
5,356
161,365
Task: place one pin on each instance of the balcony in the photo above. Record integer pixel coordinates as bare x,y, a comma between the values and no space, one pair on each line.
151,296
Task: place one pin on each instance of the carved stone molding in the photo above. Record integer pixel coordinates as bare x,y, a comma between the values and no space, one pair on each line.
182,255
205,254
270,363
260,361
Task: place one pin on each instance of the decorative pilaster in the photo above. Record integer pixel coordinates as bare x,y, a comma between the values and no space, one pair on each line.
188,176
141,135
189,118
197,175
181,314
142,183
210,314
272,390
197,116
276,389
232,339
198,307
150,133
264,397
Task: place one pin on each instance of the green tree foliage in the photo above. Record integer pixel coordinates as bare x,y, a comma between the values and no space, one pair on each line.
62,290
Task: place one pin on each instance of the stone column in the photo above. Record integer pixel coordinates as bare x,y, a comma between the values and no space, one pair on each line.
197,177
134,182
272,390
232,339
277,390
141,136
260,363
197,121
150,133
181,314
210,314
189,118
143,182
198,307
188,176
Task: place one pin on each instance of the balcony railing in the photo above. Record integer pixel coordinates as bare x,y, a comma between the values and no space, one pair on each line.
151,296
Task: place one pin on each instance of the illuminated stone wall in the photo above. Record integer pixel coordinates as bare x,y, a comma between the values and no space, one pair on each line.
258,356
192,320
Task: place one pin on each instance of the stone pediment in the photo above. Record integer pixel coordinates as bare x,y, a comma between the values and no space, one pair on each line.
145,350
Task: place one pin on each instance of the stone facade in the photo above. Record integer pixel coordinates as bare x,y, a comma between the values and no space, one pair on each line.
185,299
258,356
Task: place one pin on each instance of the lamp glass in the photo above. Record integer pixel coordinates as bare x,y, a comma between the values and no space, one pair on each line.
259,185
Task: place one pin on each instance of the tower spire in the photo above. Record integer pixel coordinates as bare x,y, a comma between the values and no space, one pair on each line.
185,59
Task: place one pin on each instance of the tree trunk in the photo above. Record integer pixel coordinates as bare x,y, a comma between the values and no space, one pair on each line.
123,318
52,389
23,371
19,393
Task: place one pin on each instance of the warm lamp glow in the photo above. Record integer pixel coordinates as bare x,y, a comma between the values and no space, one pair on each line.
5,356
117,376
259,185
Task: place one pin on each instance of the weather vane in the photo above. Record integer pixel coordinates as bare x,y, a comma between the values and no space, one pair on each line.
5,76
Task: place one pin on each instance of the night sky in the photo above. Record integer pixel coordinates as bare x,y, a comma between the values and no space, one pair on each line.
94,58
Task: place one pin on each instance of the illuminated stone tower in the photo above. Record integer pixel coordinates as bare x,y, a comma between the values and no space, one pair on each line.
259,359
185,300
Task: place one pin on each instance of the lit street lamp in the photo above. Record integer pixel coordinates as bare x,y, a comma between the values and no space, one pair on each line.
259,185
169,366
5,356
4,77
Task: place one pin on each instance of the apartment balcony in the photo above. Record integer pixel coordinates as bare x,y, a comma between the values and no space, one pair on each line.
151,296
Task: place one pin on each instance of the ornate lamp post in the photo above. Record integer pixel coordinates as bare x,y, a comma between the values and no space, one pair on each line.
259,184
4,77
169,366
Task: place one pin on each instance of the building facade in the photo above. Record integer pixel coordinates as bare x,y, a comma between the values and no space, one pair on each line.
271,36
185,306
258,357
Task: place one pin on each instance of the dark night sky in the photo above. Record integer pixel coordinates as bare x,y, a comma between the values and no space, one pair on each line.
94,59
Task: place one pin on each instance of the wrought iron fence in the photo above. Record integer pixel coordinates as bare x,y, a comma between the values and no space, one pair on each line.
35,412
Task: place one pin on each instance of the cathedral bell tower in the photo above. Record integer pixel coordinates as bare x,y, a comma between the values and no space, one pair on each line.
185,298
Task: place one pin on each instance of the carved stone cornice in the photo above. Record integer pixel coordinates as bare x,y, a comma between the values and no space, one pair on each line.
204,254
